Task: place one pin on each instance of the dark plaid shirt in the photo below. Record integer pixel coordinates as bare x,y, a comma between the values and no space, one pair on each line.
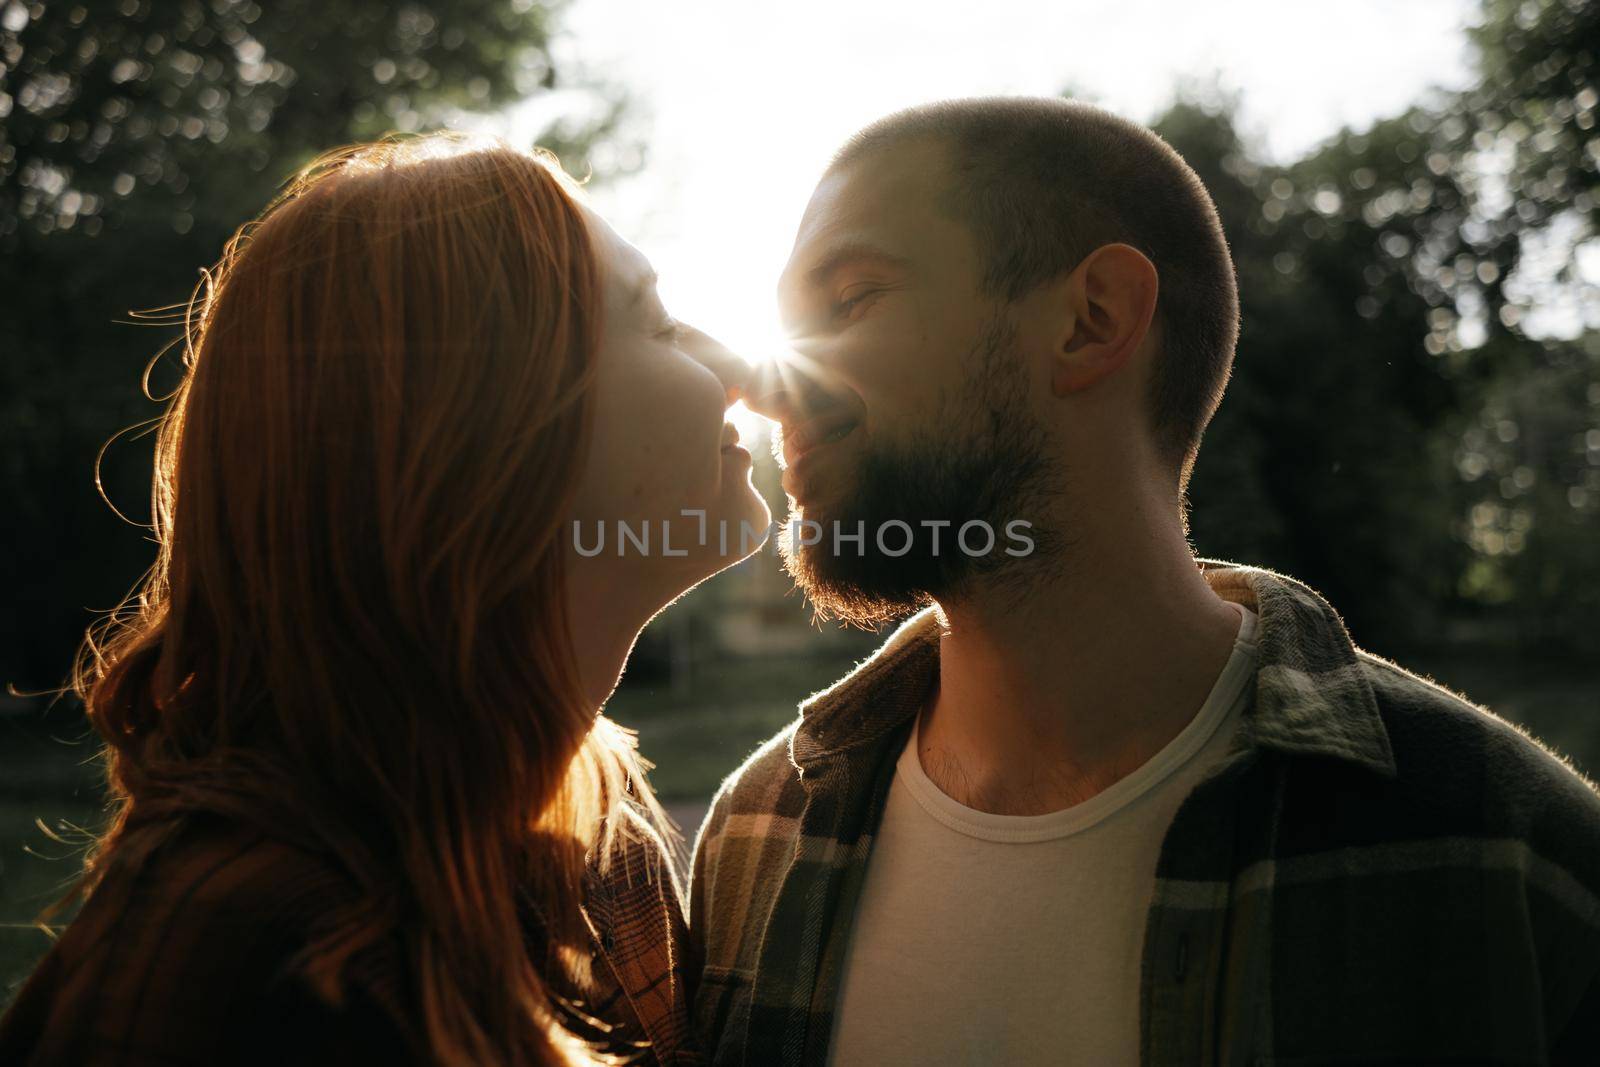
191,970
1378,871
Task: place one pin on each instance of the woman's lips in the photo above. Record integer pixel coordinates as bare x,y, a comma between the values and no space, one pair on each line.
731,448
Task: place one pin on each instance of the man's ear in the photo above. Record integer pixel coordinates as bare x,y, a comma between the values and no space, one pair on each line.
1111,299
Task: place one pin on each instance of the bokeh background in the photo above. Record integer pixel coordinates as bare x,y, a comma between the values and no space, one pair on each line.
1410,192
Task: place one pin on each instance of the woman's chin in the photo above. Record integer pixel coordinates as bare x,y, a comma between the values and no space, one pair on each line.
734,532
758,516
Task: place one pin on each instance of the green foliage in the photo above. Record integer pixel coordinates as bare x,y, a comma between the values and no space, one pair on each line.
1394,433
1540,61
1529,457
1321,461
162,104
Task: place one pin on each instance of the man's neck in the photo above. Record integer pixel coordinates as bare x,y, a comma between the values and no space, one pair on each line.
1049,696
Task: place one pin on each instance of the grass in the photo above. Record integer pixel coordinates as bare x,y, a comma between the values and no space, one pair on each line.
696,734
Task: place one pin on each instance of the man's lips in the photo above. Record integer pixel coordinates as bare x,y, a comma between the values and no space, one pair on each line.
819,431
730,436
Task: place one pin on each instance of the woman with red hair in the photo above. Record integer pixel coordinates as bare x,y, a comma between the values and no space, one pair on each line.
365,806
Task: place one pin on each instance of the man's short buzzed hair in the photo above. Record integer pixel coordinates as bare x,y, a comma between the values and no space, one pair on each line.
1044,182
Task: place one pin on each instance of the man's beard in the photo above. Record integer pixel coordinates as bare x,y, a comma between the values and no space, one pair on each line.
982,457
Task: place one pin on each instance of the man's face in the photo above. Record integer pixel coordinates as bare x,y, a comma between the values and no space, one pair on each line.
881,298
906,399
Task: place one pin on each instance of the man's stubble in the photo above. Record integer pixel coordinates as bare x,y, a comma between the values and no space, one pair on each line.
980,456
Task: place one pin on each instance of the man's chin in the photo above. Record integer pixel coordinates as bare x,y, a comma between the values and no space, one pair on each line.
858,589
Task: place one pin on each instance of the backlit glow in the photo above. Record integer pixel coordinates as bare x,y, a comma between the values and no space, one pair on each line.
740,105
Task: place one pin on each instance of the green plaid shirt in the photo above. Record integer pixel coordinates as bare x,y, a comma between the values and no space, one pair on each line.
1378,871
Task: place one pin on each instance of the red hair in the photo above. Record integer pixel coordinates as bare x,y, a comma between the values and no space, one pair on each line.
354,634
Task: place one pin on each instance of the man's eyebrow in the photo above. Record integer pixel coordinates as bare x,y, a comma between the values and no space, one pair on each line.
848,254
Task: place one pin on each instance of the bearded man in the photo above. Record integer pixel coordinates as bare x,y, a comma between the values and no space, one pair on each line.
1096,801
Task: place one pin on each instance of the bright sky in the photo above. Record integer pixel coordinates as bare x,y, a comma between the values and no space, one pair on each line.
741,102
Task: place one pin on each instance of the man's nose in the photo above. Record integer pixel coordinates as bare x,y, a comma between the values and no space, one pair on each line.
730,368
792,390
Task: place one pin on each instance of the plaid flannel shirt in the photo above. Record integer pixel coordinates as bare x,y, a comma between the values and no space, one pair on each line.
1378,871
635,915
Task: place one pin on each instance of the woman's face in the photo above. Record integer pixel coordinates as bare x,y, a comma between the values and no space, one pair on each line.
661,447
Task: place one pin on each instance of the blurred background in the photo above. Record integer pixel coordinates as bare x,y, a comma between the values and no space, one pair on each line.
1410,192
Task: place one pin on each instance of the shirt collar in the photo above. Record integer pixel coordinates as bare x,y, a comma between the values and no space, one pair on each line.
1312,694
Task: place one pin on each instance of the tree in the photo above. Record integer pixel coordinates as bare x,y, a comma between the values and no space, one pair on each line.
1324,459
1407,427
1529,456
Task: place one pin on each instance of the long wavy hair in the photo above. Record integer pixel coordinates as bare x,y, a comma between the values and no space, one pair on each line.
354,635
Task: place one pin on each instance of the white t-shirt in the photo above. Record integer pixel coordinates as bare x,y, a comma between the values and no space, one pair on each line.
1016,939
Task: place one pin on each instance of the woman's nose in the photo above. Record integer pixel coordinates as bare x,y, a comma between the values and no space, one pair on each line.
766,393
731,369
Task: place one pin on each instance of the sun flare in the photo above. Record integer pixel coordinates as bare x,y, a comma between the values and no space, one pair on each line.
695,292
